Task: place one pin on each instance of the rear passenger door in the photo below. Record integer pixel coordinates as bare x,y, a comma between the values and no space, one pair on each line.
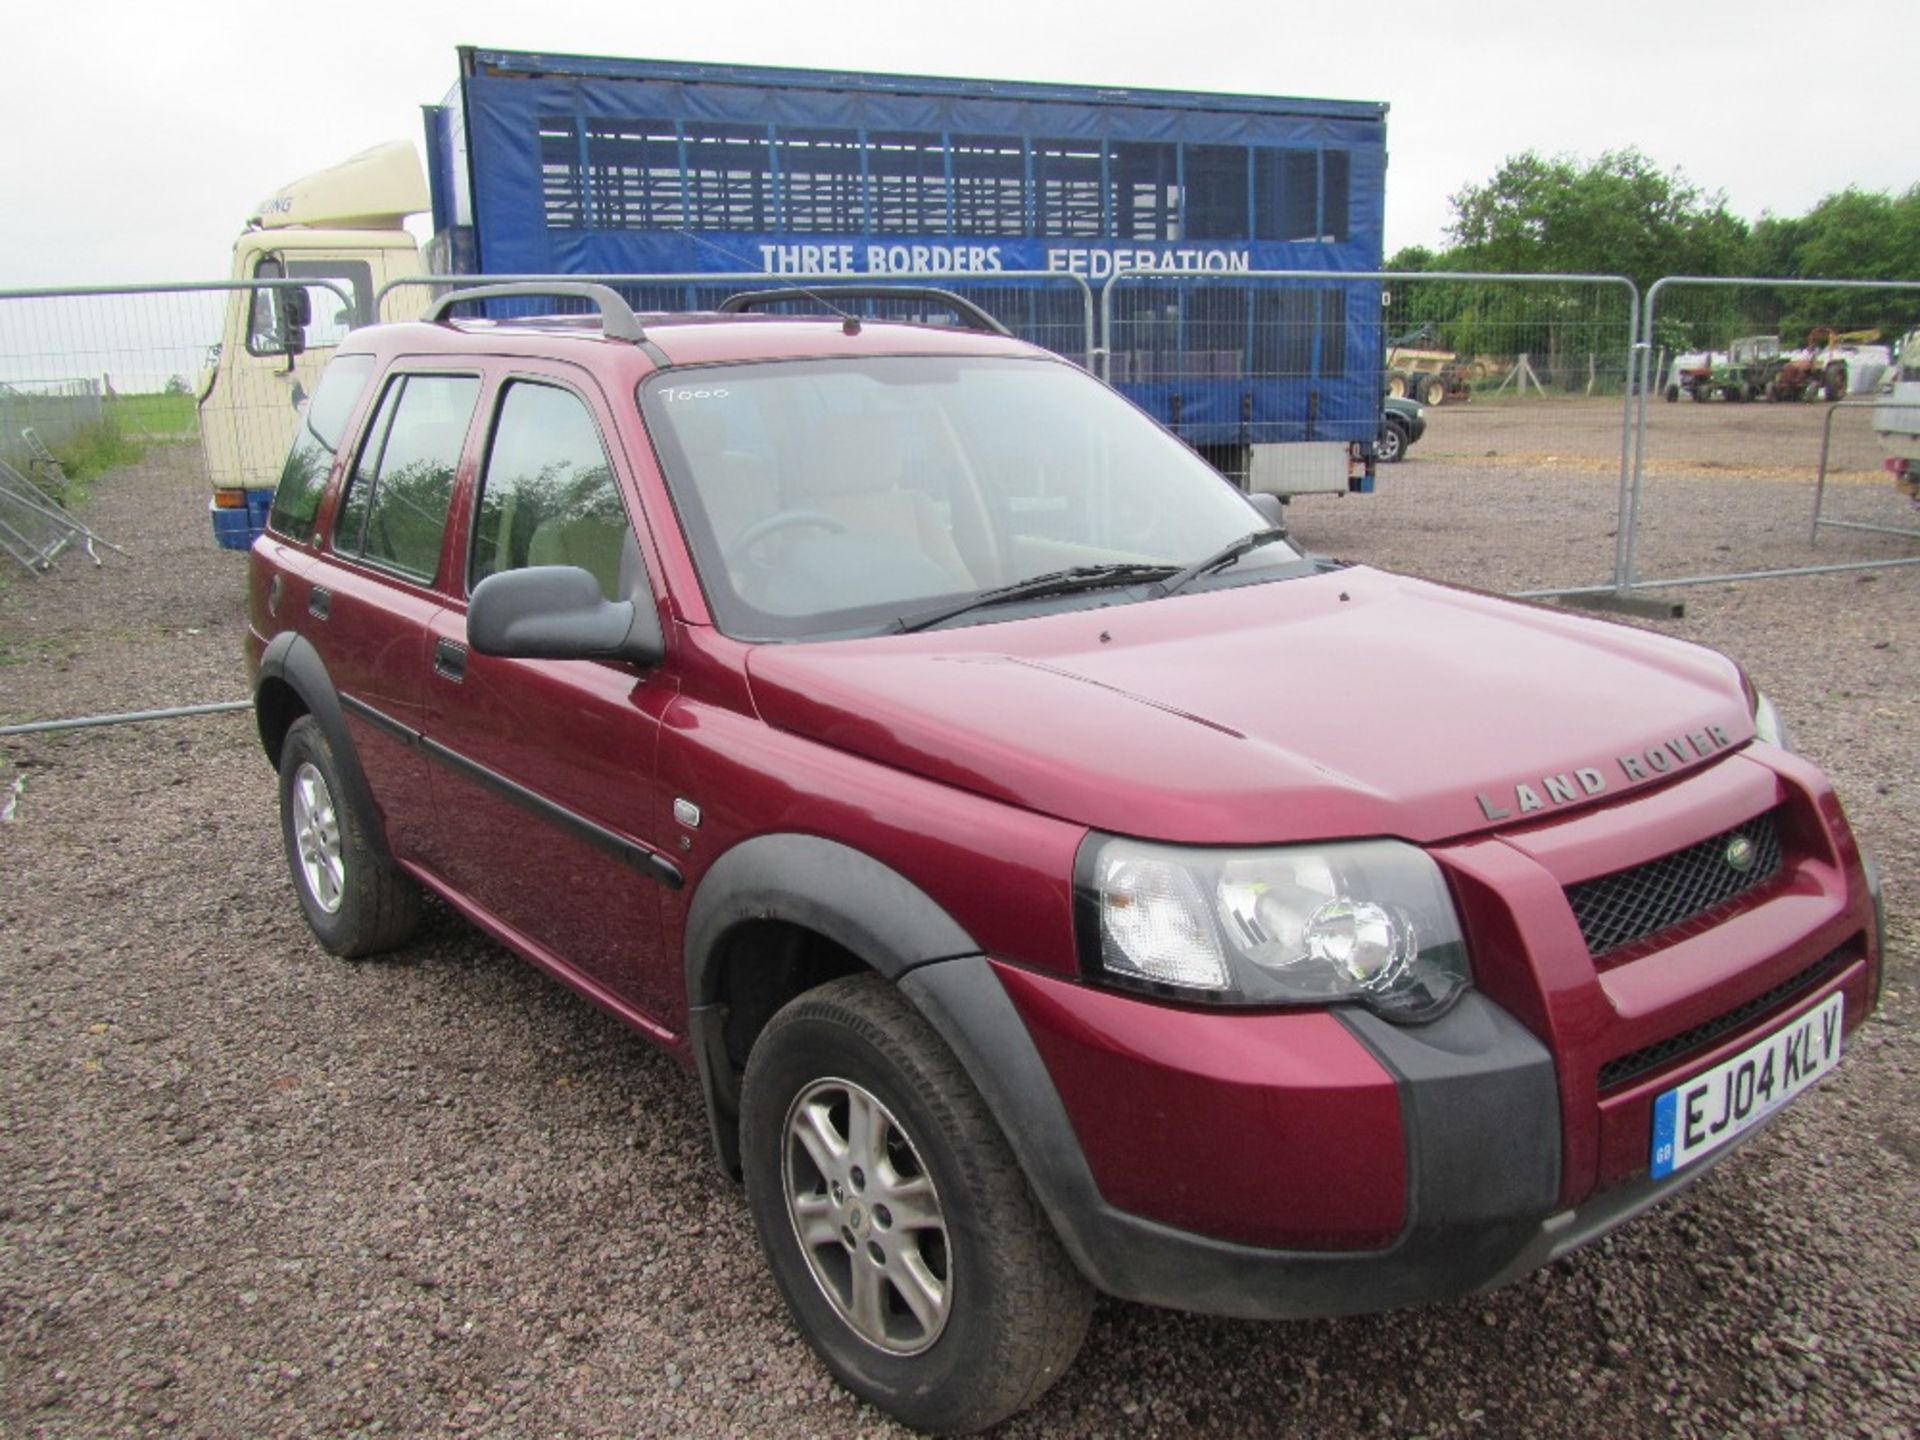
544,769
375,592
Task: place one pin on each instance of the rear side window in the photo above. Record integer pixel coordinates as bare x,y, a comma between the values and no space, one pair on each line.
395,509
548,495
322,425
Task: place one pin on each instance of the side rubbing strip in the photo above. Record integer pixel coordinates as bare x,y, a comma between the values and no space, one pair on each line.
631,852
381,721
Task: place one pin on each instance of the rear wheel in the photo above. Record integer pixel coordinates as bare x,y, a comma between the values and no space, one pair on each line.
357,901
896,1221
1397,386
1436,392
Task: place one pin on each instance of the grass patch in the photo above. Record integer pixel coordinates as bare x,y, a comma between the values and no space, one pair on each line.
158,416
92,452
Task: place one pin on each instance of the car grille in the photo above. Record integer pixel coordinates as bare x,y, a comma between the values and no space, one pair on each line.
1662,1052
1617,910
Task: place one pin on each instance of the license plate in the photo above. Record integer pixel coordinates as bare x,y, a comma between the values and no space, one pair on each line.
1718,1105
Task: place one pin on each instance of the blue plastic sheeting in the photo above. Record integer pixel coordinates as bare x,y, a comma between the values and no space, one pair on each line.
631,167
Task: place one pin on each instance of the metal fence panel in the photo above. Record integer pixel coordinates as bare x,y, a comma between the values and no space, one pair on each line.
32,531
1734,422
1524,381
99,373
58,411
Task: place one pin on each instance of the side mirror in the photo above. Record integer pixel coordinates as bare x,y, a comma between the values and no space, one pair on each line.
1271,507
556,612
296,313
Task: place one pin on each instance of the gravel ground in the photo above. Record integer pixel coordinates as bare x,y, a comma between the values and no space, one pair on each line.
246,1188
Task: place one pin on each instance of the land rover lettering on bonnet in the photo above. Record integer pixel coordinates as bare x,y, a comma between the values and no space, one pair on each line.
1028,848
1570,785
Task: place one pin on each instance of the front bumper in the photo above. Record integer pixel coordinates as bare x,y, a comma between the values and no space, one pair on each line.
236,528
1478,1125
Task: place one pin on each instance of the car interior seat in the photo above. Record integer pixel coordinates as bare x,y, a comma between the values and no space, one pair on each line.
854,472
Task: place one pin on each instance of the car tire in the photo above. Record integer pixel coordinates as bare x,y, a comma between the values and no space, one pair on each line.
356,900
853,1112
1391,446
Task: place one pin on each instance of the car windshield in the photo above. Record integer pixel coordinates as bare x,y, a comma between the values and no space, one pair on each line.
835,497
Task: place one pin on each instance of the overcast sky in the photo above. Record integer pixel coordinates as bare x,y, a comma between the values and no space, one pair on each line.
134,137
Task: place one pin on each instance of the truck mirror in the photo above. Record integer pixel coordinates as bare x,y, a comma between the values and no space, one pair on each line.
296,313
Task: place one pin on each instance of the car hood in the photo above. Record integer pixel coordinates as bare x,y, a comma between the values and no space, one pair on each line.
1347,703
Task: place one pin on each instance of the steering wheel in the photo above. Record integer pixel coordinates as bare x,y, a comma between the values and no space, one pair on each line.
736,553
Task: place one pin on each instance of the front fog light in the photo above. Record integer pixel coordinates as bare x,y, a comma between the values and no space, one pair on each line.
1368,921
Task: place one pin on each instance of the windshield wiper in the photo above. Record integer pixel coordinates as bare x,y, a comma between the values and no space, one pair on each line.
1054,582
1220,559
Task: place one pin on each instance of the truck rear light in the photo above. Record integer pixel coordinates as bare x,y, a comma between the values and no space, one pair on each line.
229,499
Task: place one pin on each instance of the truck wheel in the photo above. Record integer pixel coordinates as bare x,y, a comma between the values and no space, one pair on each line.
1436,393
1397,386
1673,393
357,903
894,1217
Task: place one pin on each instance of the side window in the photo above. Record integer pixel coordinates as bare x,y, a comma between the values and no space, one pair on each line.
548,495
323,424
395,509
263,324
331,320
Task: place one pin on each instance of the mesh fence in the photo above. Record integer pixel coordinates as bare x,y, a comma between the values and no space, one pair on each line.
1520,384
1737,418
100,376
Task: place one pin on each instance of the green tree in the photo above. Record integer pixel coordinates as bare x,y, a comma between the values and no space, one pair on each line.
1850,235
1618,215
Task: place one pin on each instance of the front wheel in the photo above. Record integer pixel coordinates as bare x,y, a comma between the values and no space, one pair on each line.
894,1217
1391,444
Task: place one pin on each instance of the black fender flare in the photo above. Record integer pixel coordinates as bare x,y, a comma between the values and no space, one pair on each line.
866,907
291,660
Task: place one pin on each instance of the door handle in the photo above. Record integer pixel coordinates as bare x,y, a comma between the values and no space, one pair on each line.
319,602
450,660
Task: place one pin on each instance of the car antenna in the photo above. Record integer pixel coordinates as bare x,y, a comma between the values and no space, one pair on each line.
849,321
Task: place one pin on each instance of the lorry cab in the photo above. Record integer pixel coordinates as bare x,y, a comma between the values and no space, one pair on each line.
344,229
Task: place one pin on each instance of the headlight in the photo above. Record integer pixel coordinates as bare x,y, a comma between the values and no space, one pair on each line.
1367,921
1767,724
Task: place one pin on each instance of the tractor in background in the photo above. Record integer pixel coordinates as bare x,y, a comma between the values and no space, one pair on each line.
1420,369
1752,364
1820,372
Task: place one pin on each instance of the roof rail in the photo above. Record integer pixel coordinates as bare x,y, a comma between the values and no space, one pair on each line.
617,320
970,315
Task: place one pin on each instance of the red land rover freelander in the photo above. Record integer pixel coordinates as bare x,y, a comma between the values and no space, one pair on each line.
1057,880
